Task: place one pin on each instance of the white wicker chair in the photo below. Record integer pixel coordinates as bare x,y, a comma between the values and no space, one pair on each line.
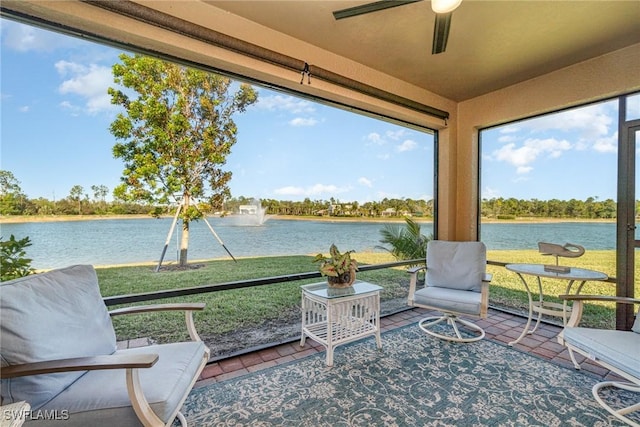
456,283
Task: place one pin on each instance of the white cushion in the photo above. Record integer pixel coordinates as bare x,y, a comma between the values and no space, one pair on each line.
456,265
620,349
449,300
636,324
54,315
100,397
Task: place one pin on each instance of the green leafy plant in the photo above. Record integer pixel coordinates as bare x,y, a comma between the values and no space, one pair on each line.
406,242
14,263
336,264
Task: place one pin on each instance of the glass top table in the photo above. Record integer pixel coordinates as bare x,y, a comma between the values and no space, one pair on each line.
574,273
323,290
539,271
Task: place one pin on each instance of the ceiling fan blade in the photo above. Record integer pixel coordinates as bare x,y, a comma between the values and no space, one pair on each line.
441,32
370,7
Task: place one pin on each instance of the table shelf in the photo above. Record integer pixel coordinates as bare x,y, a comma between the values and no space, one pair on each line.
340,333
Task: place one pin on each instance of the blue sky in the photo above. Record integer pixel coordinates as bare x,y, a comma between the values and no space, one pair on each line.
56,114
570,154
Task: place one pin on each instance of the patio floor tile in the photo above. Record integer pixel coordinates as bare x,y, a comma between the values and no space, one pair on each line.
499,326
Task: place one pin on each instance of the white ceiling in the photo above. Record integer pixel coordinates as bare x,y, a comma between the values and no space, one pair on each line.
492,44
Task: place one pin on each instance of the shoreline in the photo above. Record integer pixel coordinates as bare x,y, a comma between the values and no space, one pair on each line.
18,219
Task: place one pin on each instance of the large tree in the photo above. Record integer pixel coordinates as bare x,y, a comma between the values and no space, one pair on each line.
75,195
12,199
177,131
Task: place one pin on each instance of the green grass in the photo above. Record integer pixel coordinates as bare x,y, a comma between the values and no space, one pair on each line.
507,289
229,310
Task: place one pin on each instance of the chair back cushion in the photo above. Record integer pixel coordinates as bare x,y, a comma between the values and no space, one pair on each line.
54,315
456,265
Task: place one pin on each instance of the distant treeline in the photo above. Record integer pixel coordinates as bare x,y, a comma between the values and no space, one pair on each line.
498,208
591,208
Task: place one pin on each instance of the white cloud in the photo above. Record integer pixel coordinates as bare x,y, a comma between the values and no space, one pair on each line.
284,103
365,181
589,128
396,135
290,191
509,129
24,109
89,82
407,145
591,121
314,190
300,121
522,157
74,110
507,138
383,156
375,138
607,144
490,193
521,170
24,38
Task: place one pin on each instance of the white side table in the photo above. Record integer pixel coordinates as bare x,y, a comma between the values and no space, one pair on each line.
333,316
14,414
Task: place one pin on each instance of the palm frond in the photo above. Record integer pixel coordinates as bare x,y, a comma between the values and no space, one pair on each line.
405,242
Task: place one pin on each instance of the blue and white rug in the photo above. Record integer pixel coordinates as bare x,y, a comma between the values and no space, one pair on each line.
415,380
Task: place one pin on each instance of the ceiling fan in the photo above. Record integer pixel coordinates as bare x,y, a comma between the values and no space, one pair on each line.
442,8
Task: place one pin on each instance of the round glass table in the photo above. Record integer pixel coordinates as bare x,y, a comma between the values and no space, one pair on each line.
539,271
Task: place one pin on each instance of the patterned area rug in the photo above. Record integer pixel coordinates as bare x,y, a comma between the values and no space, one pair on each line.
415,380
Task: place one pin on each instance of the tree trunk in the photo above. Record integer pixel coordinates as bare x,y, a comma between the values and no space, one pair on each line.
184,241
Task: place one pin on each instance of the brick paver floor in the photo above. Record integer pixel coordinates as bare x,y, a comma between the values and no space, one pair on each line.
499,326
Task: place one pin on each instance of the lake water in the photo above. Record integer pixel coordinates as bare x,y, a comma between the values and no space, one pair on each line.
124,241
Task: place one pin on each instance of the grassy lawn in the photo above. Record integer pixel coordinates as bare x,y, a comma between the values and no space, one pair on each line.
230,310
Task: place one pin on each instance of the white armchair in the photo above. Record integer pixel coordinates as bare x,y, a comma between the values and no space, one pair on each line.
59,355
617,351
456,283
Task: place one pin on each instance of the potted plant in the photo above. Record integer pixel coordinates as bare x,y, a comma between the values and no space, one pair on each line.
339,268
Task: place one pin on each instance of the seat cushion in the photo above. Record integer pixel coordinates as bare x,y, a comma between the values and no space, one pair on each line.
456,265
449,300
619,349
636,324
100,397
54,315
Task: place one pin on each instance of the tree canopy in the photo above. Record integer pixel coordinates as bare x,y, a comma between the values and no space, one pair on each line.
176,133
12,199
